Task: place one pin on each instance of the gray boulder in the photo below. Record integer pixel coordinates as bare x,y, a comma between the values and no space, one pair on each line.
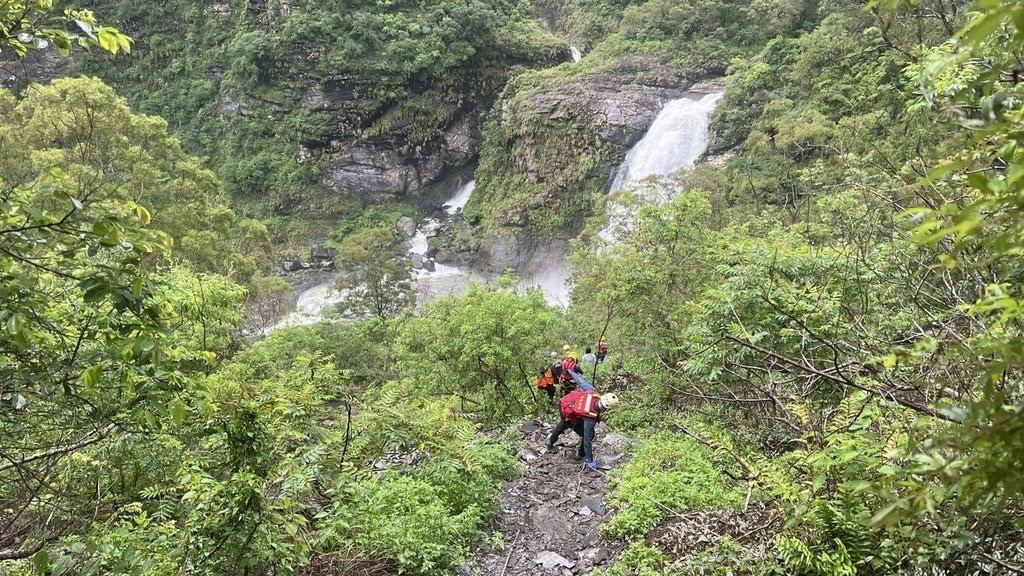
322,253
406,225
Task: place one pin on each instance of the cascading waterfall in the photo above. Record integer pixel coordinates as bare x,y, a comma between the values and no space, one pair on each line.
431,278
576,54
458,202
676,139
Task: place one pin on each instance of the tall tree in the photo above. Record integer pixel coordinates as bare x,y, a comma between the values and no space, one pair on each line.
378,279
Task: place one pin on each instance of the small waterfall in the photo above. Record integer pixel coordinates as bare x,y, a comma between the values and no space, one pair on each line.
458,202
312,306
676,139
576,54
431,278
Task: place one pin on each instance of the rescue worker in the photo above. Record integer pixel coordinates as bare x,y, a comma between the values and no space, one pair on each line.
602,349
581,411
571,376
549,376
588,357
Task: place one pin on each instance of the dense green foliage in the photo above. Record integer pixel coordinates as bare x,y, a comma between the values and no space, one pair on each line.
482,348
818,344
378,279
842,294
668,473
134,443
265,90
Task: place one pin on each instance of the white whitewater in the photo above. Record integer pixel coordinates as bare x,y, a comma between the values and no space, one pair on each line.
676,139
458,202
313,305
316,303
576,54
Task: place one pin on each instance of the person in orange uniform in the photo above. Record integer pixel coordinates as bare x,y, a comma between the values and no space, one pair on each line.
602,349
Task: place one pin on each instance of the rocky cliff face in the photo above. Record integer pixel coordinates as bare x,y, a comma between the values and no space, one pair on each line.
389,167
552,148
298,104
376,148
554,142
618,105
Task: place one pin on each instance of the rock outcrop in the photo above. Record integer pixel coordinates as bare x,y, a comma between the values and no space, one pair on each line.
554,145
367,156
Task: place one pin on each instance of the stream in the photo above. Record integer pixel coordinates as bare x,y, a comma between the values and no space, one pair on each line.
676,139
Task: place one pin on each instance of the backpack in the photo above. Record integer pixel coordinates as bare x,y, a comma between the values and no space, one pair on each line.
579,404
569,365
547,378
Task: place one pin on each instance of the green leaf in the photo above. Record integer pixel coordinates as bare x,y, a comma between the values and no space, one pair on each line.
41,561
983,27
108,40
91,376
13,325
888,515
144,216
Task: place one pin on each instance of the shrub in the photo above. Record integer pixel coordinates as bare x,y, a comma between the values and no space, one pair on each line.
668,473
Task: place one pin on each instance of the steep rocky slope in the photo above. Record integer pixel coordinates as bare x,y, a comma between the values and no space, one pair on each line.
548,521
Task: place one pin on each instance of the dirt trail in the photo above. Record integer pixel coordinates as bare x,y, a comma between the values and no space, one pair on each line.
549,518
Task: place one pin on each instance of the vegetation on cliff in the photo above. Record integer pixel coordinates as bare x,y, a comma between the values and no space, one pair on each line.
548,167
818,344
266,92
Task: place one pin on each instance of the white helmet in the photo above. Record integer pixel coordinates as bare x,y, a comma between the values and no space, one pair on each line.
609,400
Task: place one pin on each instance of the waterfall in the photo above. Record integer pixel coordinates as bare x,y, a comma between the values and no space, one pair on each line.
676,139
458,202
576,54
312,306
431,278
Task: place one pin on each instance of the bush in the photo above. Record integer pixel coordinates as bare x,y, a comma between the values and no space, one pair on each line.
638,559
405,519
668,473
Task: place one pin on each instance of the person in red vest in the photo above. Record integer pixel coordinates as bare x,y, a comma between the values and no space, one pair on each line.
602,349
581,411
570,375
